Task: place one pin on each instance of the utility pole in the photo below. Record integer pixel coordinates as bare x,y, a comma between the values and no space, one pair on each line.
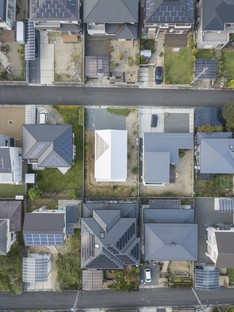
74,308
201,73
199,301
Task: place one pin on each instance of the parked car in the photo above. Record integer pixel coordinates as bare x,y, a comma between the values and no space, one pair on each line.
158,75
147,275
154,120
42,118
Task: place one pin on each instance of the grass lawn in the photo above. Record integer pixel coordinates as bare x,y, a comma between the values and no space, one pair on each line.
68,264
120,111
11,268
52,180
178,65
219,186
228,63
231,275
9,191
205,54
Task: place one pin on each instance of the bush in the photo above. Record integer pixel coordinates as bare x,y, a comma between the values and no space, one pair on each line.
228,115
209,128
34,193
147,44
126,280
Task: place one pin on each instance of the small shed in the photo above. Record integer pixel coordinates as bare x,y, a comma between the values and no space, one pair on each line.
146,53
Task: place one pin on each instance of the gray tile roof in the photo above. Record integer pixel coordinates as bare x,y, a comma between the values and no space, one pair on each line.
165,203
127,209
170,11
5,160
217,154
161,150
50,145
123,31
217,13
3,237
225,245
168,215
61,10
110,11
213,135
43,223
108,239
72,216
167,242
12,210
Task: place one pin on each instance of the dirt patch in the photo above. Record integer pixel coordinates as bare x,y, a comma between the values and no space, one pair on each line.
183,187
68,58
129,188
11,121
181,267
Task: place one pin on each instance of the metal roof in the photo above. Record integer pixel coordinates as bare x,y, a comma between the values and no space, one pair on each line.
156,167
165,203
167,242
39,222
208,116
92,279
168,215
123,31
210,67
12,210
206,278
225,245
224,204
36,268
96,66
170,11
5,160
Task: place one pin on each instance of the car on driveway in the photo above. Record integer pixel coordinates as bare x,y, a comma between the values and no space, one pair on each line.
147,275
158,75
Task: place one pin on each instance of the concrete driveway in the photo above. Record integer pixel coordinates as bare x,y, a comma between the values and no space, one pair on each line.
46,59
154,275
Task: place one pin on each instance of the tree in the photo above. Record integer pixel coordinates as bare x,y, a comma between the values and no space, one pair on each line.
228,115
34,193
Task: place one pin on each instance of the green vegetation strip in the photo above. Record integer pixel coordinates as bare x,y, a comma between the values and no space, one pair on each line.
11,269
69,184
68,264
9,191
119,111
231,275
228,63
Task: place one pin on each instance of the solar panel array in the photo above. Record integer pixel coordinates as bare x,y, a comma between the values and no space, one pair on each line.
211,71
43,239
207,116
36,268
54,9
226,204
29,41
206,279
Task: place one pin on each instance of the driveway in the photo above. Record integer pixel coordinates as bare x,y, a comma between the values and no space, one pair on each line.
98,46
154,275
145,115
34,66
46,59
205,216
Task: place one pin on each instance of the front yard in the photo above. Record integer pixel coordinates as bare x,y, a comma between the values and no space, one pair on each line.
178,64
10,191
51,181
228,66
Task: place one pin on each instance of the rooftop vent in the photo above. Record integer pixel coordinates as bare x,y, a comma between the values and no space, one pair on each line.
173,244
102,234
231,147
96,245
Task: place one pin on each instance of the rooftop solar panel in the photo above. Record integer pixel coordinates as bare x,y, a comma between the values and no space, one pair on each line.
209,65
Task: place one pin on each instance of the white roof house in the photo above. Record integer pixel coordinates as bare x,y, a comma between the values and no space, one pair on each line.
111,155
10,165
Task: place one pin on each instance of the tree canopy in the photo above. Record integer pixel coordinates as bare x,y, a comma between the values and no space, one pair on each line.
228,115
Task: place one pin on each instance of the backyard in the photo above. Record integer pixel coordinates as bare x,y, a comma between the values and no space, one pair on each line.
11,190
51,181
178,64
228,66
220,185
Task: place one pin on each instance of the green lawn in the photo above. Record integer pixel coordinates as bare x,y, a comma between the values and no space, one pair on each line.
9,191
205,54
231,275
68,264
11,268
228,63
178,66
119,111
52,181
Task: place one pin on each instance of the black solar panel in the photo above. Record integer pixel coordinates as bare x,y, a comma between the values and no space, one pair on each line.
208,116
206,279
208,67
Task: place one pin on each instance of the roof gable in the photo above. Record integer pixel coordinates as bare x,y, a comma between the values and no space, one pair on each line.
111,11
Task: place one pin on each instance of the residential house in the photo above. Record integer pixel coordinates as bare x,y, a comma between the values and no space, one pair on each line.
63,15
10,224
45,228
118,18
173,16
161,155
216,22
111,155
49,146
10,161
169,232
220,245
109,236
7,14
37,272
215,153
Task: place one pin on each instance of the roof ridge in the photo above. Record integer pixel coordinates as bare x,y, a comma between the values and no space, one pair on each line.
123,1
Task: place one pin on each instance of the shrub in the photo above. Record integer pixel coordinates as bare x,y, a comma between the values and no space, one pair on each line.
34,193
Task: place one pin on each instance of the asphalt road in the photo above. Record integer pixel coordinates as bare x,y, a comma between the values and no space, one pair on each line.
113,299
113,96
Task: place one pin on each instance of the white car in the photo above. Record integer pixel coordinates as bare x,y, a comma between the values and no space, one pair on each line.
147,275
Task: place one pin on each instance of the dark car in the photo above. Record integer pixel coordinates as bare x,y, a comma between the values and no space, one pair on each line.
154,121
158,75
36,47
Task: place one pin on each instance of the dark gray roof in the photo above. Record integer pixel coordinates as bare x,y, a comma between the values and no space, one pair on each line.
71,219
213,135
166,242
211,69
170,11
61,10
109,240
161,150
5,160
3,237
225,245
3,10
12,210
206,278
216,153
40,222
123,31
110,11
50,145
127,209
164,203
208,116
217,13
168,215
